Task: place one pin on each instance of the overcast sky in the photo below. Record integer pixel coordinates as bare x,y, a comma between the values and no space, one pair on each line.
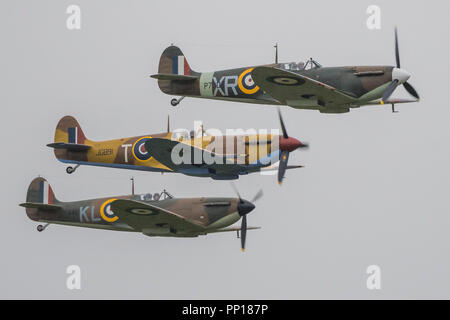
375,189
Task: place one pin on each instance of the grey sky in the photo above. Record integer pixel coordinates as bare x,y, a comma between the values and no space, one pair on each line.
374,190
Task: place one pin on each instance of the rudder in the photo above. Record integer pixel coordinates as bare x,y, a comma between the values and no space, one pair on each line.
69,130
40,191
173,61
41,202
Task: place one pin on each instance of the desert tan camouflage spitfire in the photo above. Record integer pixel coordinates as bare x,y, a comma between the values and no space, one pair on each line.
155,152
158,214
298,85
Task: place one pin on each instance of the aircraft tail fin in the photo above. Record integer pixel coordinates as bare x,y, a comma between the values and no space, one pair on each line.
175,76
41,192
69,137
68,131
40,197
173,62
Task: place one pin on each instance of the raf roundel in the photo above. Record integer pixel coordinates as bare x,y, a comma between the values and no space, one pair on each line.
106,213
246,83
286,81
139,151
141,211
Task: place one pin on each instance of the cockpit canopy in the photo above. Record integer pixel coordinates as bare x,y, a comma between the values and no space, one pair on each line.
293,66
154,197
182,134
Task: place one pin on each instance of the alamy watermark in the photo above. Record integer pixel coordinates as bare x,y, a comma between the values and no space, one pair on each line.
236,146
373,281
73,281
73,21
373,22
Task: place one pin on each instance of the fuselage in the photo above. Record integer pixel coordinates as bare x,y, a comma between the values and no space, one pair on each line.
130,153
360,83
211,213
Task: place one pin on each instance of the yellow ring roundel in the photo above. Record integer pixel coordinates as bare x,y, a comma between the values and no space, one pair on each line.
246,83
139,151
106,213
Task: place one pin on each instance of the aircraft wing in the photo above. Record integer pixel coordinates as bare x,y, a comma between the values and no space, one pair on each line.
141,216
390,101
289,87
161,149
273,169
230,229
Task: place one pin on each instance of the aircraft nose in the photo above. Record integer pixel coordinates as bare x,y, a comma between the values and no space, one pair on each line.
401,75
245,207
291,144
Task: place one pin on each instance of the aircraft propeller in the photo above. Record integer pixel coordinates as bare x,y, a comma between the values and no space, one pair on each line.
244,208
399,76
287,145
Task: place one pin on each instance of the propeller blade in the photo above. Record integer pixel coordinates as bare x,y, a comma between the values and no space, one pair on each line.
243,232
389,90
258,196
397,50
283,166
283,128
411,90
237,192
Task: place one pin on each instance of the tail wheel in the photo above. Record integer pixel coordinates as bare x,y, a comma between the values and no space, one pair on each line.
71,170
40,228
174,102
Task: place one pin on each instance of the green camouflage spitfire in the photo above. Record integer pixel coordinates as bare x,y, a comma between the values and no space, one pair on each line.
298,85
150,214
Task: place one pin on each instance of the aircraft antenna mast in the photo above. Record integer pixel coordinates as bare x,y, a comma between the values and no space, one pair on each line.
168,123
132,186
276,52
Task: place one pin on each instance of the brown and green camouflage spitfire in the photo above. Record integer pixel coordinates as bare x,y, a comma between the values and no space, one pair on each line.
157,214
298,85
154,152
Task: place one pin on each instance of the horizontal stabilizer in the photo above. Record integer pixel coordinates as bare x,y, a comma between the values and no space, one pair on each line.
40,206
69,146
179,77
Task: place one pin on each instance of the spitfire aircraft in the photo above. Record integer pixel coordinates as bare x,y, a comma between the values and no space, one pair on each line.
158,214
298,85
153,152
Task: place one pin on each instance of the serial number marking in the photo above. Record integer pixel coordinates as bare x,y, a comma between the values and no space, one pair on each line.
104,152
